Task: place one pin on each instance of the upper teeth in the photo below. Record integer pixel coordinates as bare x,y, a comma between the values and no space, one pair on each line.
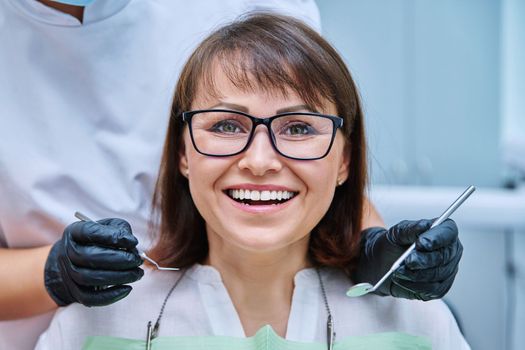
255,195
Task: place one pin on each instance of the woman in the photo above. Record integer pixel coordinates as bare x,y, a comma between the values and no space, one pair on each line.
259,195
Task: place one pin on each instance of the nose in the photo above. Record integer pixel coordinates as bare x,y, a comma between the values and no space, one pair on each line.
260,157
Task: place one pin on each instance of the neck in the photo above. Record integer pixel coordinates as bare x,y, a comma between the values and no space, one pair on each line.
259,284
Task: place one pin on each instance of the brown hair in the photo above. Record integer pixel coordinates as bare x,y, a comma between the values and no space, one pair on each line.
273,53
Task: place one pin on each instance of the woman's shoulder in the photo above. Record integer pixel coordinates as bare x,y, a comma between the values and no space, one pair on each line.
377,314
72,324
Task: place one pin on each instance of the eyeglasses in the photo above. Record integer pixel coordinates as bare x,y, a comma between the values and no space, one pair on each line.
294,135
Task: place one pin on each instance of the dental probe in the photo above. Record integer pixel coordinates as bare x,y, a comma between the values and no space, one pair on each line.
83,217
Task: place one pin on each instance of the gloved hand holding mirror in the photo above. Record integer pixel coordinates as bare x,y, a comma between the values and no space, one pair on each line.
413,259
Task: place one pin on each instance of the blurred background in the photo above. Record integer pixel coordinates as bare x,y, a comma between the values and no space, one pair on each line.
443,88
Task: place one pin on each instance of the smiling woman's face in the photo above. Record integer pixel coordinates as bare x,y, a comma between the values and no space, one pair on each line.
215,181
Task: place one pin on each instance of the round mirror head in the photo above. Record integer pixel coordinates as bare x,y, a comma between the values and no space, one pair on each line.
359,290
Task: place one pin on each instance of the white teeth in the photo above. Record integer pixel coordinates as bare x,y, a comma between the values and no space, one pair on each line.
255,195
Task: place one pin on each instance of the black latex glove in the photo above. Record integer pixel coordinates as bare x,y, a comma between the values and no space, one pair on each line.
92,262
427,273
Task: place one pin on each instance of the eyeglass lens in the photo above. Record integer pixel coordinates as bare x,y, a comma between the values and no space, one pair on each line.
295,135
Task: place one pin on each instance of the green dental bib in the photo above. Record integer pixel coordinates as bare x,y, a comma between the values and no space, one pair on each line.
264,339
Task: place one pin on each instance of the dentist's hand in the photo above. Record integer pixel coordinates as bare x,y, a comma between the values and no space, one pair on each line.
92,263
427,273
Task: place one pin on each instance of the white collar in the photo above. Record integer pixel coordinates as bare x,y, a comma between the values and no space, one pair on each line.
304,316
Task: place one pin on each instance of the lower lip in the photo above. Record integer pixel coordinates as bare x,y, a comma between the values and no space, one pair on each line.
260,209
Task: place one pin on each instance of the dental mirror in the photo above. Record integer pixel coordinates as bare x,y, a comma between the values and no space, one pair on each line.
142,254
365,287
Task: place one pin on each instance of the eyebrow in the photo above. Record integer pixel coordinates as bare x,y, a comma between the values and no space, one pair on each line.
245,109
297,108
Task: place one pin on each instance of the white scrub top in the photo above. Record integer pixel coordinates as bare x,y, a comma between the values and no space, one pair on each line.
84,110
200,305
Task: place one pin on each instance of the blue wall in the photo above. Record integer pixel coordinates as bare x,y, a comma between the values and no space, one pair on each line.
429,74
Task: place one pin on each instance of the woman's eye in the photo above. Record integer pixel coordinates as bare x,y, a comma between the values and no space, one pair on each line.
298,130
227,126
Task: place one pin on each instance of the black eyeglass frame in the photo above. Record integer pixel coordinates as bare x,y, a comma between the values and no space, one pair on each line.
337,123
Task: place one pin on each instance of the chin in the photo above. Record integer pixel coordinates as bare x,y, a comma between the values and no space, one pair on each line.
264,240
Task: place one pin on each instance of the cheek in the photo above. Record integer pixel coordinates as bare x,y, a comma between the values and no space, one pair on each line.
199,185
324,188
204,175
199,164
321,175
319,178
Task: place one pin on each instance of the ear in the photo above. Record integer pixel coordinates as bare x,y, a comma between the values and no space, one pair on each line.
183,162
344,167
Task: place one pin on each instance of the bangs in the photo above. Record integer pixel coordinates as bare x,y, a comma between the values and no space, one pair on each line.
263,71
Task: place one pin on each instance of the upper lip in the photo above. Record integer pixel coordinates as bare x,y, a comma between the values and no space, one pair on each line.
256,187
